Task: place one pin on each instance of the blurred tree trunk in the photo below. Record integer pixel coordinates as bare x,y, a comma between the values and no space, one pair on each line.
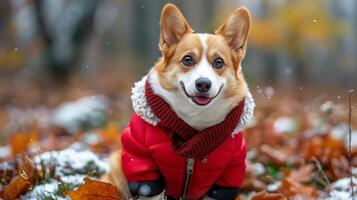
146,26
5,13
200,14
355,37
57,65
146,32
5,16
271,69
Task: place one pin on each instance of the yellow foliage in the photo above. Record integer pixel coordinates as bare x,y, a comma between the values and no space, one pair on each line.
294,23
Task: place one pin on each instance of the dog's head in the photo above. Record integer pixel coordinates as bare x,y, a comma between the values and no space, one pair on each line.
202,71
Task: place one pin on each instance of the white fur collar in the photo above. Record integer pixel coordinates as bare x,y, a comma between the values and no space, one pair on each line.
142,108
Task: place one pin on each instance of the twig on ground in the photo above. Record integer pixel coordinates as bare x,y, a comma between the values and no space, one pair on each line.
319,167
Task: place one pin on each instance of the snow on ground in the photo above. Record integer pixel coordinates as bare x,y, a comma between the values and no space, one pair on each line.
47,189
285,125
72,165
20,118
70,160
341,132
86,112
5,151
341,189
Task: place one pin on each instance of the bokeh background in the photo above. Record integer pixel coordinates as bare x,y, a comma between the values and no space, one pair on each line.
67,68
103,46
52,52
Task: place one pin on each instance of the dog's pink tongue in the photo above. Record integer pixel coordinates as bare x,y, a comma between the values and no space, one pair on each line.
201,100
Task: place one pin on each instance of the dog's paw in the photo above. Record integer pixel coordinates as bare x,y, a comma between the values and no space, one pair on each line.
207,198
160,196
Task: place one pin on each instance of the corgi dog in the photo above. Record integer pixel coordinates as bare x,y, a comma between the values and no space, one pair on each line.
200,74
200,78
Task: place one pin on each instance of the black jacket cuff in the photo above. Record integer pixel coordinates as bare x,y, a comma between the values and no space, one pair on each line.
146,188
223,193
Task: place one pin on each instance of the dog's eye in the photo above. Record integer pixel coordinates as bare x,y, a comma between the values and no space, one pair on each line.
188,60
218,63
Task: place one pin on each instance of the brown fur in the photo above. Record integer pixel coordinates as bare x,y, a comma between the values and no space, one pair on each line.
116,174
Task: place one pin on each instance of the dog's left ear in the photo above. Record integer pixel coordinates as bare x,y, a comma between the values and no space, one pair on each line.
173,26
235,29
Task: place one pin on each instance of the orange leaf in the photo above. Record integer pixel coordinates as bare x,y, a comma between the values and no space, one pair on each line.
22,182
111,133
93,190
19,142
292,188
268,196
334,144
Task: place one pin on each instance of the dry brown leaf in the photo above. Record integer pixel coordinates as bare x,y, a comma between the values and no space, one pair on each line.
93,190
22,182
290,188
335,144
276,156
339,167
268,196
262,133
303,174
313,148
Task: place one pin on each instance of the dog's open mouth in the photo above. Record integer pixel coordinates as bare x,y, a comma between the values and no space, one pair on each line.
200,100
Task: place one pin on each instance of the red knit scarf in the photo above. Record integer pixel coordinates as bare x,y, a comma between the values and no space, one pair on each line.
187,141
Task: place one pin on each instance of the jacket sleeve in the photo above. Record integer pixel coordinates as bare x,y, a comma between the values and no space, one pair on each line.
139,168
227,186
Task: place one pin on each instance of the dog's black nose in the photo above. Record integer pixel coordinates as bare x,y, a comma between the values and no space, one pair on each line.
203,84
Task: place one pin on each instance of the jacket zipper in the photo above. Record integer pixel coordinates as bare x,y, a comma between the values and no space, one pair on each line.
189,172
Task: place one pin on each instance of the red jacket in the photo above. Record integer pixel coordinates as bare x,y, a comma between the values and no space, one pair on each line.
153,160
147,154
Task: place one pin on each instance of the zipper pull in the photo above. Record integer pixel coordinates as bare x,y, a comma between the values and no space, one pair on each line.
190,163
189,172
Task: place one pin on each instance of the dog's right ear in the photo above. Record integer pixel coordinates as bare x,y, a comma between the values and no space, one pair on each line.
173,26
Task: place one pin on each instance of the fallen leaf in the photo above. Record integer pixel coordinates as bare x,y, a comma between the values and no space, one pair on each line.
313,148
339,167
268,196
93,190
19,142
302,174
277,157
22,182
290,188
262,133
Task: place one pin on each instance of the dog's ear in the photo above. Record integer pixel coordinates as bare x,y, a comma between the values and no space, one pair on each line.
235,29
173,26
